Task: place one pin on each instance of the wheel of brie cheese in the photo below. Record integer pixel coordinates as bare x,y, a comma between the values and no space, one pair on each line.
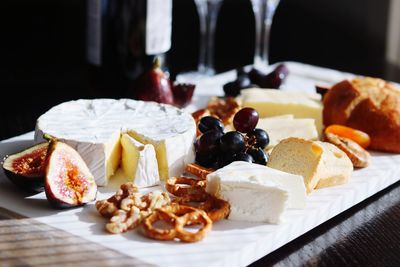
94,128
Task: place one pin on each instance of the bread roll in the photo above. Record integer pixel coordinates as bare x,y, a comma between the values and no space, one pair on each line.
321,164
367,104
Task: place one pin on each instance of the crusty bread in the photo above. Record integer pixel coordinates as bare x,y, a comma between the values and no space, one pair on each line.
321,164
368,104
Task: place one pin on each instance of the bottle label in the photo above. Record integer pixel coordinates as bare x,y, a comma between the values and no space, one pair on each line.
93,35
158,26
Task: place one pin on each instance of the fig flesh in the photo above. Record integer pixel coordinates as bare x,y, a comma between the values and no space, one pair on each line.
26,168
68,180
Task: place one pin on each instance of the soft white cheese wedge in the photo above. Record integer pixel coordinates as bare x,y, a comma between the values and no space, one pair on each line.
282,128
139,162
94,127
272,102
256,193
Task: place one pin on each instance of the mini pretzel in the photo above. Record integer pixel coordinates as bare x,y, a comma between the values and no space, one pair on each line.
217,209
178,216
198,170
185,186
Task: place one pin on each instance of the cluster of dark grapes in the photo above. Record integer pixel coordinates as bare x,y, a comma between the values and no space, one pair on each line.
256,78
216,149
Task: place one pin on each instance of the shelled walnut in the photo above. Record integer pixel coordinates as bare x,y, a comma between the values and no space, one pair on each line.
127,208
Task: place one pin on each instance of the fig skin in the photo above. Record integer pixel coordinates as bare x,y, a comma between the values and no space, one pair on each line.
154,85
29,182
183,94
51,189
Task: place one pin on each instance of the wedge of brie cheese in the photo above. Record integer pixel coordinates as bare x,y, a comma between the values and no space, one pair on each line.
139,162
256,193
272,102
94,128
279,128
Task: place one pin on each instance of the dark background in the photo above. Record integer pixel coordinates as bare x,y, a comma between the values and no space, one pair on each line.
42,47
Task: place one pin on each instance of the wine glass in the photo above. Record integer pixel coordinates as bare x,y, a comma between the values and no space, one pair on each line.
208,14
264,11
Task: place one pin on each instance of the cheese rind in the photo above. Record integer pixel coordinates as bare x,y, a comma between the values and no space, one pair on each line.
139,162
93,128
255,192
272,102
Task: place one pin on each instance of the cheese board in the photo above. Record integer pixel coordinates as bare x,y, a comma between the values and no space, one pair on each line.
230,243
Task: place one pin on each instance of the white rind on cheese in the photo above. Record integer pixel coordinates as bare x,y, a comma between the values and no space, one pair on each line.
272,102
281,127
139,162
93,128
256,192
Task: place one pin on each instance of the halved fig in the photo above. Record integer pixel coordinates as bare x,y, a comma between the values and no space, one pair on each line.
26,168
68,180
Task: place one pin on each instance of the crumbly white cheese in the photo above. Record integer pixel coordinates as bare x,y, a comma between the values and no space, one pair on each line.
94,127
256,193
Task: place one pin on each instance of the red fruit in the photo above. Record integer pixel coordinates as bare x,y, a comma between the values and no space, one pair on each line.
183,93
68,180
154,85
26,168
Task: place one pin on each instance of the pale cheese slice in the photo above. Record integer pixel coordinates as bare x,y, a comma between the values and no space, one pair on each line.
139,162
272,102
282,128
255,192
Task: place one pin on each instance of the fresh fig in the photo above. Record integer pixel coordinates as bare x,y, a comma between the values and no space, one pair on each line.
68,180
183,93
26,168
154,85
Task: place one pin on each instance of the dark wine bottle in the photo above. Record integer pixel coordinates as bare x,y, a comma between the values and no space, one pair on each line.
123,38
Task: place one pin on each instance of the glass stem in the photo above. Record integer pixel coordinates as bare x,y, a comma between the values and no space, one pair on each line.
269,7
264,11
208,14
202,12
257,6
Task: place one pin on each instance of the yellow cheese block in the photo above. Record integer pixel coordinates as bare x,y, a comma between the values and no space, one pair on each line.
272,102
281,127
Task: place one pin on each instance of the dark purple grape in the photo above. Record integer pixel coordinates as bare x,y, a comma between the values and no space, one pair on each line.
258,138
259,155
206,160
232,142
208,142
225,159
256,76
233,88
276,77
243,157
241,72
245,120
210,123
